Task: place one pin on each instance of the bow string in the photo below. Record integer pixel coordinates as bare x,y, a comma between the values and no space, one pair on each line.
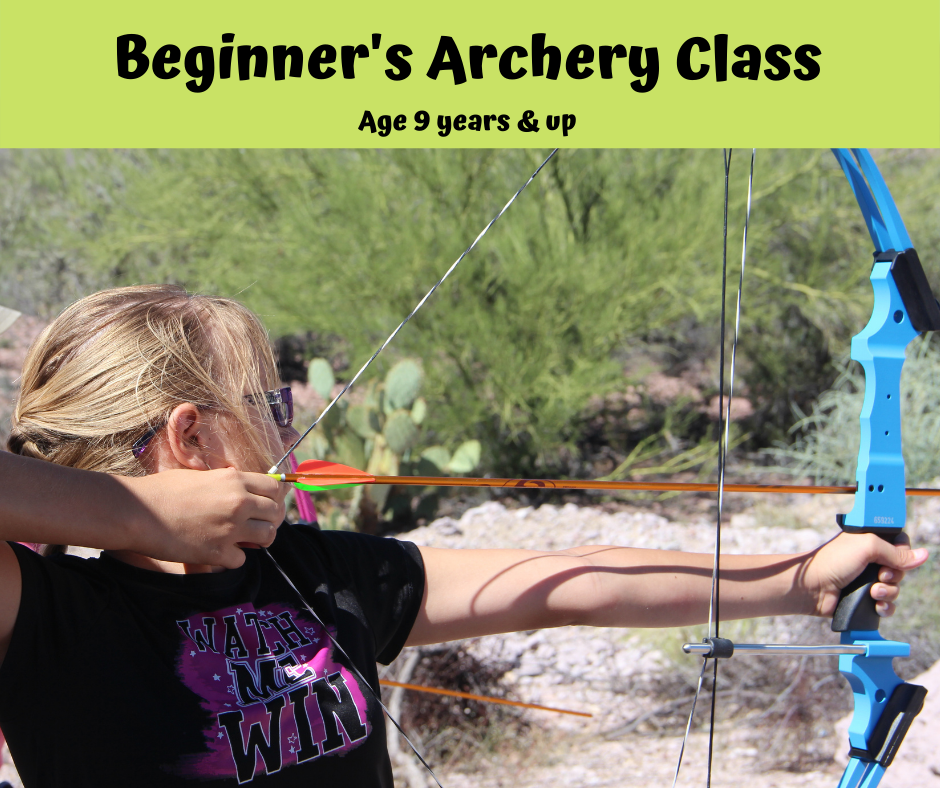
273,470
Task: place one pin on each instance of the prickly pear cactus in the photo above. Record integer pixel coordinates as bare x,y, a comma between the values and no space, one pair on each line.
402,384
419,410
400,431
320,377
466,458
373,395
380,433
439,458
364,420
349,450
383,462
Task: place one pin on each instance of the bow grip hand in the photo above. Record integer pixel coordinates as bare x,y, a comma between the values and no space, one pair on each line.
856,609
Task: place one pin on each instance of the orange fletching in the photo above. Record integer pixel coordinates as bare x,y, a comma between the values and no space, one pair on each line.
322,473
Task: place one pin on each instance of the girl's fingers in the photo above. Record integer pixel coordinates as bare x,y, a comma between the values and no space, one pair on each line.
257,533
888,575
260,511
882,592
263,485
885,609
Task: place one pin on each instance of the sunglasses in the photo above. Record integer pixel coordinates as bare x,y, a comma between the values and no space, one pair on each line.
281,402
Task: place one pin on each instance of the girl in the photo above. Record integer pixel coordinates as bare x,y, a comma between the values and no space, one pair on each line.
154,667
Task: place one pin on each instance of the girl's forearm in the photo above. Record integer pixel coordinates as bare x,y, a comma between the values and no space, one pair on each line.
50,504
659,588
185,516
479,592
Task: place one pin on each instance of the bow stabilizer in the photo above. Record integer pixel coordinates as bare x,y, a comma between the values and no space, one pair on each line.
904,307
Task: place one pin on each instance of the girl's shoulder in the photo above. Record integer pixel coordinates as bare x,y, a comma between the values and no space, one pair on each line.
345,551
378,580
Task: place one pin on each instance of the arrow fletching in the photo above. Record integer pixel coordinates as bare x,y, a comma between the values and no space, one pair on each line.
318,475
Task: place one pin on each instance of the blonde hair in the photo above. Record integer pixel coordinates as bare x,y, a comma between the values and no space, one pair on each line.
117,363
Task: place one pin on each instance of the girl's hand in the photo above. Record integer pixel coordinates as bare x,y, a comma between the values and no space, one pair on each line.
838,562
201,517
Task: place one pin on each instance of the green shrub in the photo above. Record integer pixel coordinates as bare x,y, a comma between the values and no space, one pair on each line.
609,256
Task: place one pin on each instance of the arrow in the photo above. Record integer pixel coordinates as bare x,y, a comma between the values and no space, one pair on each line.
319,475
483,698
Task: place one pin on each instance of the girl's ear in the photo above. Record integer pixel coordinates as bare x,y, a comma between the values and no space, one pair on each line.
185,436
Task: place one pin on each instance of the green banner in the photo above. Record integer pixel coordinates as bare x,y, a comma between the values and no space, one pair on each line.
486,74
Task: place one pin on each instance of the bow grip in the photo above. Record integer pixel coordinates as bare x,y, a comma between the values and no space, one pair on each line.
855,611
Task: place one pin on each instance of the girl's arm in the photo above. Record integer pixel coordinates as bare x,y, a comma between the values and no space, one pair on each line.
478,592
180,515
194,517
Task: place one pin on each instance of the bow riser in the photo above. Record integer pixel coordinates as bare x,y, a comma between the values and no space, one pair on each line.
880,501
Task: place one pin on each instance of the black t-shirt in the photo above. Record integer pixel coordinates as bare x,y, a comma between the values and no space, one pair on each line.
119,676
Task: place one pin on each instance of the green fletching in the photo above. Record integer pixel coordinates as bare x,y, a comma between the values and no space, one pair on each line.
312,488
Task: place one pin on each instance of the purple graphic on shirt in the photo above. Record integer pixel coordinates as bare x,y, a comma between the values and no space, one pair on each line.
276,694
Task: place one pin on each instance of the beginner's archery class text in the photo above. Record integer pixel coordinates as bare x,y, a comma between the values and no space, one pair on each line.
713,57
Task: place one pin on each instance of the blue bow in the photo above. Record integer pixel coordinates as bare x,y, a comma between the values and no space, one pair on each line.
904,307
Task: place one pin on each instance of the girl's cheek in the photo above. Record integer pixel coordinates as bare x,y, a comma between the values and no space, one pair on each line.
288,436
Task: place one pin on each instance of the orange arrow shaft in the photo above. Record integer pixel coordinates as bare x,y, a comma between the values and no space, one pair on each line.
577,484
483,698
